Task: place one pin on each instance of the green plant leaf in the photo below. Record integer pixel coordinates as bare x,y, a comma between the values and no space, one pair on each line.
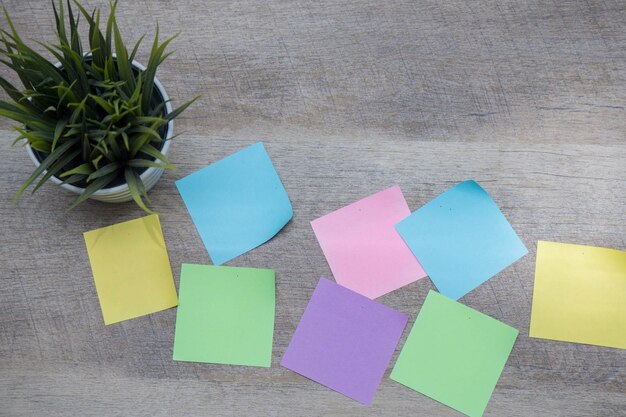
74,34
111,141
87,148
97,43
155,153
96,185
147,130
50,159
142,120
156,57
65,92
131,58
6,14
77,62
74,179
138,143
56,167
96,161
33,68
59,18
174,114
11,91
106,106
109,29
126,140
58,131
136,188
123,64
105,170
83,169
40,146
144,163
35,135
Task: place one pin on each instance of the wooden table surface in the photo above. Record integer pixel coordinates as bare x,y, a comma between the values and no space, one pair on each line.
350,97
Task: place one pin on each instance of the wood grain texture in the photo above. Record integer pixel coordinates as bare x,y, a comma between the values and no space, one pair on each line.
350,97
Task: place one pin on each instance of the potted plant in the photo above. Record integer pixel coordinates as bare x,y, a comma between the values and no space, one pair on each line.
96,122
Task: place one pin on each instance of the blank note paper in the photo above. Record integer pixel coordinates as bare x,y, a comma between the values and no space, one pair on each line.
454,354
237,203
344,341
580,295
225,315
461,239
363,248
131,269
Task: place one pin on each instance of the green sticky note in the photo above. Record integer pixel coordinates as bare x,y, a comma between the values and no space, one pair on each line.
225,315
454,354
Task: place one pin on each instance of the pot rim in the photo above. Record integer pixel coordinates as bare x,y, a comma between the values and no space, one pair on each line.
146,174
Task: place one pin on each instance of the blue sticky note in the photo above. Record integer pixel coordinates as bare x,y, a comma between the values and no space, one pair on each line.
237,203
461,239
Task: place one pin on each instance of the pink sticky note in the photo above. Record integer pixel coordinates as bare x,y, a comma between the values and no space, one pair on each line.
363,248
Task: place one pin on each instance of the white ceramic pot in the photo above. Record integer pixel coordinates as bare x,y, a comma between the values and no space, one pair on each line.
150,176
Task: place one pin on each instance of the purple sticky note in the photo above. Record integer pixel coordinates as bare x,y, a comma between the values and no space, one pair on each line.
344,341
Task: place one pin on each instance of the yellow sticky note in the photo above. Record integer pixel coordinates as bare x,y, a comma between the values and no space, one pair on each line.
580,295
131,269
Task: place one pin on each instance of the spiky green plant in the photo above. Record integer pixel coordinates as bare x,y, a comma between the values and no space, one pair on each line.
95,120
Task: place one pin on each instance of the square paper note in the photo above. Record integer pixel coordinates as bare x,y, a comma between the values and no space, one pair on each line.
580,295
454,354
461,239
363,248
237,203
344,341
131,269
225,315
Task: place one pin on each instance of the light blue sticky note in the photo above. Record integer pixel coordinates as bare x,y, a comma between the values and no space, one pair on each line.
461,238
237,203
